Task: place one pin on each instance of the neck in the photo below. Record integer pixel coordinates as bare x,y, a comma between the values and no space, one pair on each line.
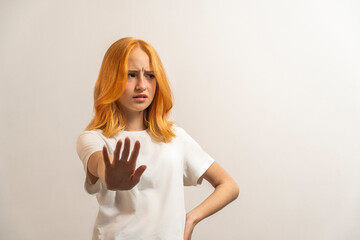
135,121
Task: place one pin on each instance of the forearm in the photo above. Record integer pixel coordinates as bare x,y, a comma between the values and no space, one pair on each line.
92,167
91,177
223,194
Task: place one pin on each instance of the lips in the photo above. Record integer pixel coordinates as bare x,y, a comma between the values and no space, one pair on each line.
141,96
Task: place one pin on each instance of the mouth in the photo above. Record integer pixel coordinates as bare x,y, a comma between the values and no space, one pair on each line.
141,96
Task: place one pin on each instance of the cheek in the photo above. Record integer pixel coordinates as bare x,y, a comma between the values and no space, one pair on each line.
128,91
125,96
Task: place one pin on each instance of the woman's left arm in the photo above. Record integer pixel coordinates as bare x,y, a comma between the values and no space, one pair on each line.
226,190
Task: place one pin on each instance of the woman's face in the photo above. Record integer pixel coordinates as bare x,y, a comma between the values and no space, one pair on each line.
141,84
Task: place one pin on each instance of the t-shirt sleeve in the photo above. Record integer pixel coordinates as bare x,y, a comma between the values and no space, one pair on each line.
196,161
88,143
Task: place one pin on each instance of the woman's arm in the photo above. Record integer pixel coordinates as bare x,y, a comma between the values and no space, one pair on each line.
226,190
115,172
92,166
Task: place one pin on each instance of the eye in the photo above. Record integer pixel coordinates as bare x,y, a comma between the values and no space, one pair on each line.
150,76
131,75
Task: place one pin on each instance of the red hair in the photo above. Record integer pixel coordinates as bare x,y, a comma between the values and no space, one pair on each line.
111,84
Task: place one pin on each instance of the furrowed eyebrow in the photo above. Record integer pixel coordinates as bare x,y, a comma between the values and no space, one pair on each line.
147,71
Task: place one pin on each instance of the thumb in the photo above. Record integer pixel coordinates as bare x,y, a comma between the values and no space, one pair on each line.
139,171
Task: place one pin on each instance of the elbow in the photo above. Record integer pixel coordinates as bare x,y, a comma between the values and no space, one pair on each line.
236,190
233,189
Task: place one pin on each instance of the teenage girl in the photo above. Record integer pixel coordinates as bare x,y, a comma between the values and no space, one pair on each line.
136,160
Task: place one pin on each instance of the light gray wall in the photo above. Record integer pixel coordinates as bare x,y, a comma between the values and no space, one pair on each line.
270,89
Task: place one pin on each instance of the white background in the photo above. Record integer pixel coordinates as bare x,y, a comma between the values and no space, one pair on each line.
270,89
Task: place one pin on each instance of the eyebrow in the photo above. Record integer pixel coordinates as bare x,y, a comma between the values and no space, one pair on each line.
147,71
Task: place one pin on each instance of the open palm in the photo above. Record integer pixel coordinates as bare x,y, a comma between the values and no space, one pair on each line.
120,173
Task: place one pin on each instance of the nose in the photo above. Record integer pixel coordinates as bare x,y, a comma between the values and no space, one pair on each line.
140,84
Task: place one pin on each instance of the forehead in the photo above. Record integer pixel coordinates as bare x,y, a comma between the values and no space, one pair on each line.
138,59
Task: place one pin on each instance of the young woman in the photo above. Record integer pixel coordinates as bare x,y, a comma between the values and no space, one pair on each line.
136,160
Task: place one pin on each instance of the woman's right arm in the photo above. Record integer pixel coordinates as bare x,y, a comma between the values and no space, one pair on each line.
92,167
96,167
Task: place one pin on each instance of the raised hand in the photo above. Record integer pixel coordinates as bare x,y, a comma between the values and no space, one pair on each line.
119,173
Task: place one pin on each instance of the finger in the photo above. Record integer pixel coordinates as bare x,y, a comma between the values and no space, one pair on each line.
125,152
117,151
134,153
136,177
106,156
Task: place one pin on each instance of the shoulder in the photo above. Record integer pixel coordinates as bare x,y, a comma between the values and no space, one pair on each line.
91,135
96,132
182,134
179,131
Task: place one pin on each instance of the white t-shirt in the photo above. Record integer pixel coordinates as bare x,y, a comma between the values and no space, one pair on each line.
154,208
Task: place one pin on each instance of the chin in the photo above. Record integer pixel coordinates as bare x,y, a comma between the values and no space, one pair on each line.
140,109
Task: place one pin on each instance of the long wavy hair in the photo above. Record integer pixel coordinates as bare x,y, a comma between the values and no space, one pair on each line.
110,85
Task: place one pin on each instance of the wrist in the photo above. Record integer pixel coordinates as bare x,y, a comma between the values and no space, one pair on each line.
193,217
